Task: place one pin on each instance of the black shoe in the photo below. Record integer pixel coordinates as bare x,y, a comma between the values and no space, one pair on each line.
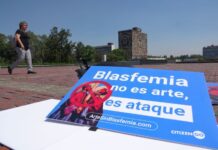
31,72
9,70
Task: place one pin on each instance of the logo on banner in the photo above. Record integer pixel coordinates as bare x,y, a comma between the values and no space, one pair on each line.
197,134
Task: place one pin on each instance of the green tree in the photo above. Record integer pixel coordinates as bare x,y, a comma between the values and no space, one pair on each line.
165,56
7,52
85,52
196,56
116,55
171,57
3,46
58,47
183,57
37,46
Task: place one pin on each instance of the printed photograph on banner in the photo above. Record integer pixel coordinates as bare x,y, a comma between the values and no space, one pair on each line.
85,104
166,105
213,92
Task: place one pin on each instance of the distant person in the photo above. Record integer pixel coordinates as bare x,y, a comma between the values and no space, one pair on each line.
22,48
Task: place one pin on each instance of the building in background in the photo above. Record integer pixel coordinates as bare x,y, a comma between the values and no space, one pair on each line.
210,52
134,43
103,50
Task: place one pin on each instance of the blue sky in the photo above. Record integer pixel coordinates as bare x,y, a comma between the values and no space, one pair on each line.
173,26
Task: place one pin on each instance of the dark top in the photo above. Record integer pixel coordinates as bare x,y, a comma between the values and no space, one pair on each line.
24,39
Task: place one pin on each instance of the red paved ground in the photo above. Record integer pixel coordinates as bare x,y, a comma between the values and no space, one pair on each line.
53,82
20,88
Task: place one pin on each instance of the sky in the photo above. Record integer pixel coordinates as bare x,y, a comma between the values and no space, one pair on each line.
173,27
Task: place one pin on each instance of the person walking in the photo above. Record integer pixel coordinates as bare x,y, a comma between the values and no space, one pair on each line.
22,48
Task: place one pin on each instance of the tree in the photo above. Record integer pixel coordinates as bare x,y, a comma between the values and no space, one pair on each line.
58,47
7,52
116,55
196,56
3,43
85,52
182,57
37,46
3,46
171,57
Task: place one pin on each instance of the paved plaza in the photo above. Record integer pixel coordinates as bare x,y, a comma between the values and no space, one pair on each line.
53,82
21,88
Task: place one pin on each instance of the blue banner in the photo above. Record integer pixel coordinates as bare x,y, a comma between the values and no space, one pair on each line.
161,104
